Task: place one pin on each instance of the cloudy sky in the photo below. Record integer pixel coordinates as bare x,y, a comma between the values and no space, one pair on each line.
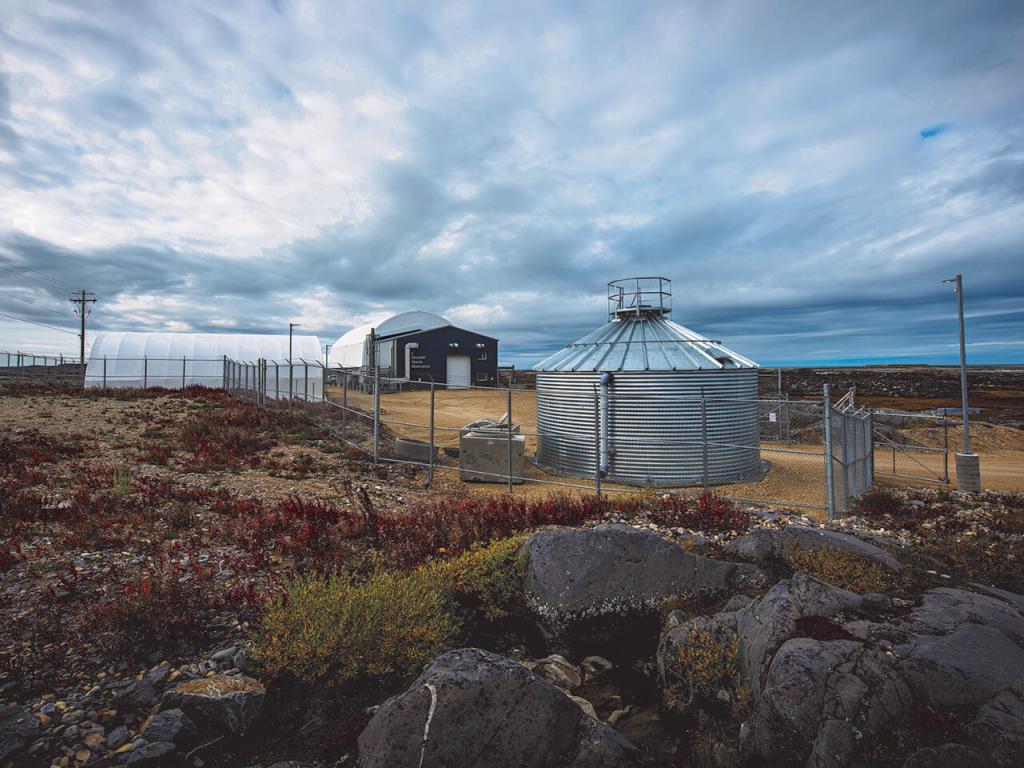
806,173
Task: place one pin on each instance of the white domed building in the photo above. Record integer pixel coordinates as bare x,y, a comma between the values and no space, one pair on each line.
419,346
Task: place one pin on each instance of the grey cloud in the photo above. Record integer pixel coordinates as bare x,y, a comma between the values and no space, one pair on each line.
546,150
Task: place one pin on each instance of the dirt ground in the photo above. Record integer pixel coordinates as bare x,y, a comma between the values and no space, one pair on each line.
795,477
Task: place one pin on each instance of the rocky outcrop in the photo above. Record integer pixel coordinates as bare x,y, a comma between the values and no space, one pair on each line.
831,679
471,707
227,704
578,579
765,544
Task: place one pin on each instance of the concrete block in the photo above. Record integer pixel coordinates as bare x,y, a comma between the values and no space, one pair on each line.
487,425
414,450
483,457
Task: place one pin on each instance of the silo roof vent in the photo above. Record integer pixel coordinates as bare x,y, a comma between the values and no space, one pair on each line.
640,336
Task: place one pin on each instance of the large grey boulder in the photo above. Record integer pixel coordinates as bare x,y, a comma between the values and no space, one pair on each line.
827,702
578,579
18,727
762,545
228,704
821,701
765,624
999,725
471,708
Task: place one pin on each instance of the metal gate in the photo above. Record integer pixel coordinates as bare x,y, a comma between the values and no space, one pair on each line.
849,431
900,450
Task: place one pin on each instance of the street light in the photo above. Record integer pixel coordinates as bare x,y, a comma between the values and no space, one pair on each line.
291,375
968,469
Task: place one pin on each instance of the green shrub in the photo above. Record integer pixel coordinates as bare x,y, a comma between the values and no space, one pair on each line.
335,630
706,672
841,568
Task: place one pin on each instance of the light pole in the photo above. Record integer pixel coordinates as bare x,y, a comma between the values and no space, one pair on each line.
291,376
968,469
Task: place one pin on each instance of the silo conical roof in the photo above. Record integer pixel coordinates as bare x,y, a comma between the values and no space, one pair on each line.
643,342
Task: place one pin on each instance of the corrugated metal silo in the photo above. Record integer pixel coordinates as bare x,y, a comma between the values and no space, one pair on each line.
628,397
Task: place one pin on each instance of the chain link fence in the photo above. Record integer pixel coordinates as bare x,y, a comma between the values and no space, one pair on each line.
810,454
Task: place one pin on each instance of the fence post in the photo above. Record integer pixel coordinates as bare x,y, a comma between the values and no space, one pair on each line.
945,450
376,413
510,443
430,452
183,360
305,381
104,372
145,372
597,442
344,404
830,489
704,437
277,380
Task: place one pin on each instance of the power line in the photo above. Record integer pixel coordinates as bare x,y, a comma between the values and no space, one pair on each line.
32,304
41,325
33,274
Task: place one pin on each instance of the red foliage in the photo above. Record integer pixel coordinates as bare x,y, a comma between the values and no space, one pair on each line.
930,721
159,608
708,512
423,529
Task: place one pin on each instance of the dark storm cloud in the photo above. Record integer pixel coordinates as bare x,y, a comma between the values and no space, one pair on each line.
807,173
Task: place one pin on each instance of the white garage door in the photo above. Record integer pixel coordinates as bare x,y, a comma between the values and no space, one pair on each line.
458,371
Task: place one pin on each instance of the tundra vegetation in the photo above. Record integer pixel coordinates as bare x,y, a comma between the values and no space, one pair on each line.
186,579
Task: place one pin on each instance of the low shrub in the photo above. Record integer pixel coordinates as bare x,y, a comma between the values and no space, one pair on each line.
158,610
454,525
706,674
879,502
708,512
841,568
335,630
990,558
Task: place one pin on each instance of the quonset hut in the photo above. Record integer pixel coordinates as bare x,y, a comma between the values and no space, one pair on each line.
142,359
636,399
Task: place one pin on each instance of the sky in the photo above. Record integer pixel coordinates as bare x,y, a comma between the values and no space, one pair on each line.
806,173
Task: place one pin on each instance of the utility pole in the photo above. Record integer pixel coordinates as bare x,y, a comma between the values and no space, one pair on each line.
83,300
968,469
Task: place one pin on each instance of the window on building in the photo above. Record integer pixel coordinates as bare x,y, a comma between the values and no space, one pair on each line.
482,356
481,377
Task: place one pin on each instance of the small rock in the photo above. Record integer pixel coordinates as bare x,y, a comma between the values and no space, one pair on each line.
593,666
134,695
93,740
227,703
224,655
117,737
151,754
618,714
585,705
170,725
560,671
